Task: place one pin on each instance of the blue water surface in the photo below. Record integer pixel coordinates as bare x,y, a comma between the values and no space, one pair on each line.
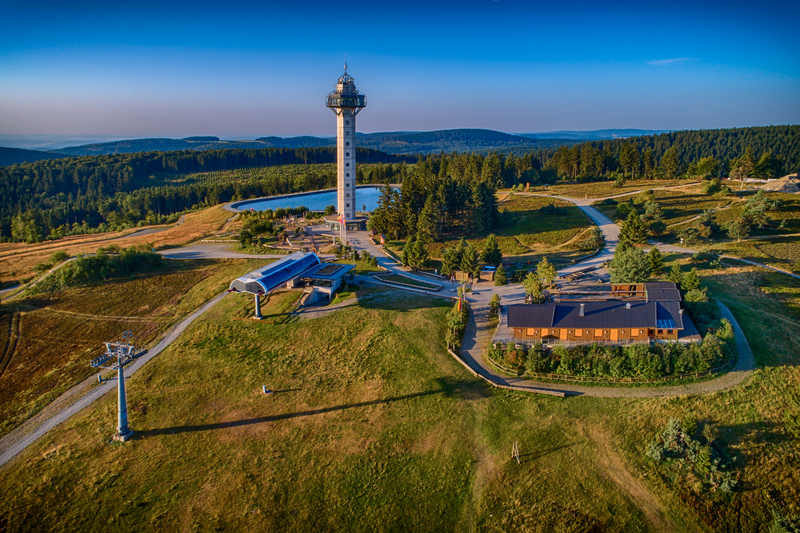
314,201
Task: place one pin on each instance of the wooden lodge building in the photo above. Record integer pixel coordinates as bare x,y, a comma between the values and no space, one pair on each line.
624,314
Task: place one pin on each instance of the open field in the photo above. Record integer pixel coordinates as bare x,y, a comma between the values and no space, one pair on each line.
601,189
677,204
17,260
53,336
529,230
373,427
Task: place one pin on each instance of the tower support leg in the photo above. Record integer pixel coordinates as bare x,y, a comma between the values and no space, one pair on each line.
123,431
258,307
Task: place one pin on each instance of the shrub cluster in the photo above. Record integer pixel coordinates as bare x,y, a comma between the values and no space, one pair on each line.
101,266
704,457
632,361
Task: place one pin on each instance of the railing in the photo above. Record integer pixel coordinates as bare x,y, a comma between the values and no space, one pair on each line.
357,100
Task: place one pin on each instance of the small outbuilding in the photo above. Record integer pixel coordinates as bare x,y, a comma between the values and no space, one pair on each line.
295,270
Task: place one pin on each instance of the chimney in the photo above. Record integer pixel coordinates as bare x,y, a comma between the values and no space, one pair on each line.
581,311
680,312
627,306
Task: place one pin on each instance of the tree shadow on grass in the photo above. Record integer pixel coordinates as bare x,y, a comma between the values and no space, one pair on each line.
447,386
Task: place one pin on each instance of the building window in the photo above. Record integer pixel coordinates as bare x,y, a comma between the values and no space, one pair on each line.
347,195
347,132
347,164
347,143
347,184
347,205
346,174
347,154
347,122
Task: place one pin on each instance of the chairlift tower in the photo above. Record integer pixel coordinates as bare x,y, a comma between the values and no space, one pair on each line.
346,102
123,353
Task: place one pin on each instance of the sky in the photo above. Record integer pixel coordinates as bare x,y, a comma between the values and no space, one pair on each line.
241,70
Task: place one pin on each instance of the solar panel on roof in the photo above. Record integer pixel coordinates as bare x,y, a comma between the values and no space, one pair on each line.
665,323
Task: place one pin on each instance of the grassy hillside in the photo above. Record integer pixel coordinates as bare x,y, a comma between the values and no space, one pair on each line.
373,427
48,339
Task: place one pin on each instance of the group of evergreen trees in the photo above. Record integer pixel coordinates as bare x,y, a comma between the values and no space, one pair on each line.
764,152
442,194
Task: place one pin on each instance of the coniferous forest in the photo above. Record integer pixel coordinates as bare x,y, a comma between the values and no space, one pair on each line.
57,197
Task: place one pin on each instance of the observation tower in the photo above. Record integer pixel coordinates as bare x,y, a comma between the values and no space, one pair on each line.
346,102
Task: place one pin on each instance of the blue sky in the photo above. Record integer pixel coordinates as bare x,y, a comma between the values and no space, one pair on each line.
242,70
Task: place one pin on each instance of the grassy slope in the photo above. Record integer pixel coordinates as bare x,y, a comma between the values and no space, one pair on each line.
17,260
600,189
60,332
379,430
526,231
372,427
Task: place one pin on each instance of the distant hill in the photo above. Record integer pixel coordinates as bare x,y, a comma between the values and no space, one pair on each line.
462,140
594,135
131,146
296,142
13,156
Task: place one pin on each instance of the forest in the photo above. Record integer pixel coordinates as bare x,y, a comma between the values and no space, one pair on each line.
762,152
58,197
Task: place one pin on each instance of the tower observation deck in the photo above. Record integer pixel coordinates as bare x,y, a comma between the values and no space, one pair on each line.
346,102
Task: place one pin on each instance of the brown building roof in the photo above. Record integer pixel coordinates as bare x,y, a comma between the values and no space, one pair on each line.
610,314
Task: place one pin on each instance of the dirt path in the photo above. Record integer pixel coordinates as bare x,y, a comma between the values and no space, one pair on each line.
636,492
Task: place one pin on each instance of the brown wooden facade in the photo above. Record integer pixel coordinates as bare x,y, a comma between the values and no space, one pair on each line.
589,336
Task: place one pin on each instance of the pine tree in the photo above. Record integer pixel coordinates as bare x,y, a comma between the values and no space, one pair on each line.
675,274
408,252
427,222
546,272
739,229
469,262
533,287
691,281
630,265
450,261
491,254
500,276
633,231
656,261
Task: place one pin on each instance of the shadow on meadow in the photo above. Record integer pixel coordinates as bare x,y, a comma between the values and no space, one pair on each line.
448,387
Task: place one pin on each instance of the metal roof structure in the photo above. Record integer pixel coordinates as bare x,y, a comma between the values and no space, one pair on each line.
276,274
662,290
329,271
610,314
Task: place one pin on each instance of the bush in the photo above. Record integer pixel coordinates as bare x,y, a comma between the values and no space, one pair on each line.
101,267
494,303
500,276
704,455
